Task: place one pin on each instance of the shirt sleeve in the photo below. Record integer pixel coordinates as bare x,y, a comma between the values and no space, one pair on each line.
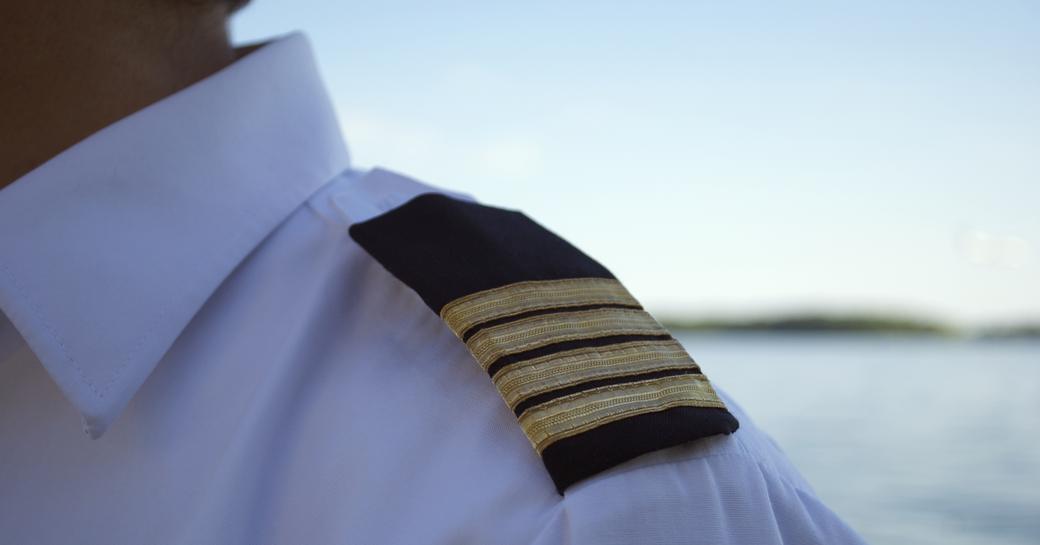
727,490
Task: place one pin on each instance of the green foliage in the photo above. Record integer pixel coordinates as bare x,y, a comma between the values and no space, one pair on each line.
818,323
850,323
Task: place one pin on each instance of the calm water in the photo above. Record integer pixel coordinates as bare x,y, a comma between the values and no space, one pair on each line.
911,440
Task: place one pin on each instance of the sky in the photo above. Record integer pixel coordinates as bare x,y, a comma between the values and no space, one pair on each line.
727,159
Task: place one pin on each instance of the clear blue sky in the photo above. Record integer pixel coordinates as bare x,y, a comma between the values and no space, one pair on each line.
720,157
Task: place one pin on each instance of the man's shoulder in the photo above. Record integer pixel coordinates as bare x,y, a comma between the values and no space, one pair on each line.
538,368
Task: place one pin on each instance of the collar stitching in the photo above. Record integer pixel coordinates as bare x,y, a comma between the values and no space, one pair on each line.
50,330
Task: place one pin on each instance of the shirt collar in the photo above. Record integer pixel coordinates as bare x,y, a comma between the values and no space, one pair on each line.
109,249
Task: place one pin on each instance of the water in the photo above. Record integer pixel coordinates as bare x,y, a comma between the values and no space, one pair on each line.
912,441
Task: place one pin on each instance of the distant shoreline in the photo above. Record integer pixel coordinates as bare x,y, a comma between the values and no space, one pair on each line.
830,324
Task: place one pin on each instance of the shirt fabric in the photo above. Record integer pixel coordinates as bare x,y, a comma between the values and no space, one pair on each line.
183,284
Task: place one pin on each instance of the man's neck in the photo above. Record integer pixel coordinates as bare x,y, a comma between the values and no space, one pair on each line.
68,69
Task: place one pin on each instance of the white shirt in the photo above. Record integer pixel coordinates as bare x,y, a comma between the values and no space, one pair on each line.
183,283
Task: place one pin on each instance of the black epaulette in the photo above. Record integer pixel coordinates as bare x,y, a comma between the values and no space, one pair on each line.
593,379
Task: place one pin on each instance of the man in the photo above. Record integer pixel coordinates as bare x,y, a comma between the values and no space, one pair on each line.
242,322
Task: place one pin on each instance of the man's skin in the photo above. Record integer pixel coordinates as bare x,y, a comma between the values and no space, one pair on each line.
69,68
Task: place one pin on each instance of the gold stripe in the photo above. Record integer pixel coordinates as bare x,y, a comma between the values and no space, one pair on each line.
489,344
510,300
521,380
574,414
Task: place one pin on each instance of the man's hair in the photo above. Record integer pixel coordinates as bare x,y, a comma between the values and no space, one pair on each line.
232,5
